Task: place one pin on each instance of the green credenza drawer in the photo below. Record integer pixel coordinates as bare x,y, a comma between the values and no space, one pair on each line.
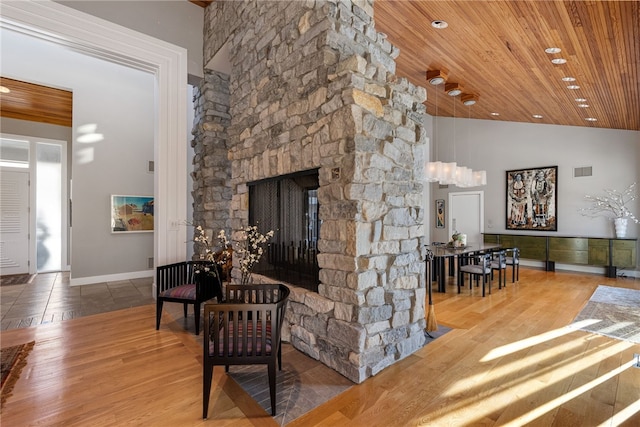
531,247
573,250
624,253
598,251
507,241
491,238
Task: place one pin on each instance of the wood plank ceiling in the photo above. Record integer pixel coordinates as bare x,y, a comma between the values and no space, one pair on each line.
28,101
496,51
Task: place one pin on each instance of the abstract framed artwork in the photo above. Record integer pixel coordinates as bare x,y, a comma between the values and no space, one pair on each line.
131,214
439,213
532,199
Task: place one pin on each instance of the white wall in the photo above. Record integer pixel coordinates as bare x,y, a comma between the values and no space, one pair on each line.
178,22
120,102
500,146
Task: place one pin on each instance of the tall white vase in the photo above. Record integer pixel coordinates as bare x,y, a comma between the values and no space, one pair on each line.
621,227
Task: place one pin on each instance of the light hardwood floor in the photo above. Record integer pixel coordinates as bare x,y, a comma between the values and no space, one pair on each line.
510,360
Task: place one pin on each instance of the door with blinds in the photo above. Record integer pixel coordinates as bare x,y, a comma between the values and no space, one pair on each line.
14,222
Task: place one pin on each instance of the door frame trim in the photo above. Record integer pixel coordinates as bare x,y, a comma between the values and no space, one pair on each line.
97,37
479,193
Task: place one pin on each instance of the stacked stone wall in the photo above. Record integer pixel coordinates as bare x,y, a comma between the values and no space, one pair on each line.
211,174
313,86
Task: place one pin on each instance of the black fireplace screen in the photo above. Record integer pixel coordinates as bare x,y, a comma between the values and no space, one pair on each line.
288,205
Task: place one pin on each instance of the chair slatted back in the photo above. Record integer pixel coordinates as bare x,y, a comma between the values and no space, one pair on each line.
245,329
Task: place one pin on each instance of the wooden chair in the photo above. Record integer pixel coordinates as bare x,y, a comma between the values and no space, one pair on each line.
186,282
244,330
476,265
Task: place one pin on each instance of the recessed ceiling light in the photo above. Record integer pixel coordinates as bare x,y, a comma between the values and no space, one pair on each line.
537,116
573,87
495,114
553,50
591,119
439,24
4,89
583,105
568,79
559,61
581,99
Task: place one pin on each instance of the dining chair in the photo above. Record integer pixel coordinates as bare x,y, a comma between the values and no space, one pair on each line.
499,262
476,265
512,258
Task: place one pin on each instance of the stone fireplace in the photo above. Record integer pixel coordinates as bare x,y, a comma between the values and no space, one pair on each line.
312,86
288,205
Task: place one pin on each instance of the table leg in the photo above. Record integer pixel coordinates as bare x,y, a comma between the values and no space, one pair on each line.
440,274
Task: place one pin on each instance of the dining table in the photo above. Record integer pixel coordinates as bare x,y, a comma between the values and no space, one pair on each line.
445,251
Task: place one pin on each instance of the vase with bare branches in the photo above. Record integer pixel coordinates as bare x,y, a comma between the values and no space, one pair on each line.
613,205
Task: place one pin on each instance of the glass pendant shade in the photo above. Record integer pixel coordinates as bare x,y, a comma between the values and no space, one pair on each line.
464,177
433,171
460,176
479,178
467,178
448,175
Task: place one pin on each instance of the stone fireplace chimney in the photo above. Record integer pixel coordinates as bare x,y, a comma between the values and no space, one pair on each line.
313,86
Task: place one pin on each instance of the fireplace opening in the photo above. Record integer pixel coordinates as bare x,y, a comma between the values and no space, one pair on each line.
288,205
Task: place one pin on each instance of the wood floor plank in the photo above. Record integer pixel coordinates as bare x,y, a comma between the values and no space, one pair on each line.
510,360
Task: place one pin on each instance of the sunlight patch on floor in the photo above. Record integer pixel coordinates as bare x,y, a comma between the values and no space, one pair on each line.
622,416
514,347
507,369
473,409
560,400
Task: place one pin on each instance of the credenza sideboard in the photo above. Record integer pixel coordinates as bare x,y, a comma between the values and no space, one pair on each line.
594,251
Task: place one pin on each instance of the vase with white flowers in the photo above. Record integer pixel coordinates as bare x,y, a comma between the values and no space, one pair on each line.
248,249
613,205
208,254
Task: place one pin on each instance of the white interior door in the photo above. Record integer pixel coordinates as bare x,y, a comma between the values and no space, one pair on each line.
14,222
466,215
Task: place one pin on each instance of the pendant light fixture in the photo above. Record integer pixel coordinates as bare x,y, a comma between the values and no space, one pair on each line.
449,173
437,77
453,89
477,178
434,170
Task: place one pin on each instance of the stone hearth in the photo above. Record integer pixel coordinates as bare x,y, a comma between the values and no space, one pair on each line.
313,86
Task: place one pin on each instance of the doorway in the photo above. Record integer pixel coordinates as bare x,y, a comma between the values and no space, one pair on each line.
466,215
34,203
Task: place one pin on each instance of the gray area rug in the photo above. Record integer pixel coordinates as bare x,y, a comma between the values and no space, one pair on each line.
435,334
613,312
303,384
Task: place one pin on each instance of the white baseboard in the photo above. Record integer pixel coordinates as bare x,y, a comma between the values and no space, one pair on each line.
110,278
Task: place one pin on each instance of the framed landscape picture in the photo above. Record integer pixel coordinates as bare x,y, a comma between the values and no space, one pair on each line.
532,199
131,214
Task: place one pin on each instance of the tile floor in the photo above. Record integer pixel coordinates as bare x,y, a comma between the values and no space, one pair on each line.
49,299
